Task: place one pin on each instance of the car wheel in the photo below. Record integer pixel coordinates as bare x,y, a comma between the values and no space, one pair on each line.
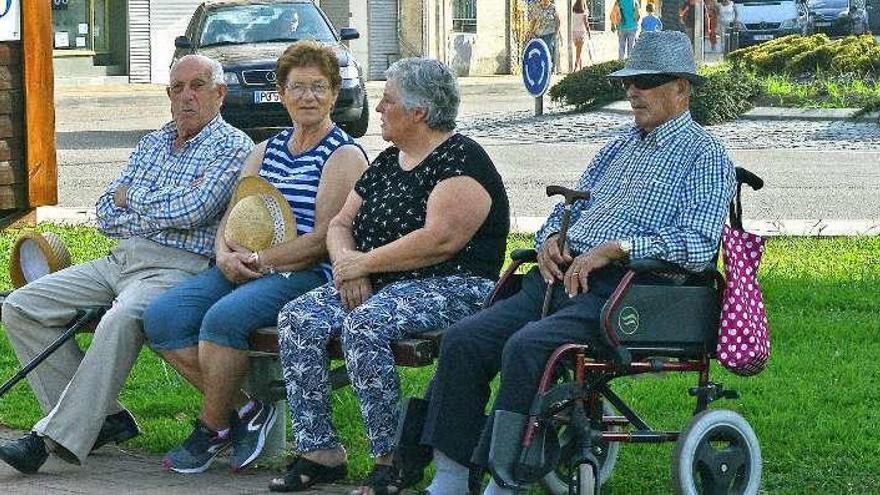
359,127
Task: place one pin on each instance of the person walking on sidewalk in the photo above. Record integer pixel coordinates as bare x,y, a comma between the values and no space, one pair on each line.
650,22
580,31
544,23
165,208
627,24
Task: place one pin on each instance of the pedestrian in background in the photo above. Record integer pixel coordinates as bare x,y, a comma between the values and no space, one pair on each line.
651,22
580,30
626,13
544,23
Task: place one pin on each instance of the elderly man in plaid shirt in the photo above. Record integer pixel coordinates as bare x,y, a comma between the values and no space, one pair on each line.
660,190
164,208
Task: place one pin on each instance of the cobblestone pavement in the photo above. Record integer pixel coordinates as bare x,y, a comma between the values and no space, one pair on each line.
559,125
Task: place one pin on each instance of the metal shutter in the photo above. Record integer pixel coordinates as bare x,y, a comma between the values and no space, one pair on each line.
139,41
383,44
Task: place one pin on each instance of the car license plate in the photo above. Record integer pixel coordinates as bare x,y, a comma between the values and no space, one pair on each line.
823,24
763,37
266,97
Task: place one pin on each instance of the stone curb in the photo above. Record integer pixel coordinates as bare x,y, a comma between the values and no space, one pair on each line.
528,225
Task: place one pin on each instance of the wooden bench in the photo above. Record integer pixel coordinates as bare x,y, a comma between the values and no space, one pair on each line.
266,381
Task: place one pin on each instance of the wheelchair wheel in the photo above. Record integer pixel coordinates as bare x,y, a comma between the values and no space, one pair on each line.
717,453
584,482
557,482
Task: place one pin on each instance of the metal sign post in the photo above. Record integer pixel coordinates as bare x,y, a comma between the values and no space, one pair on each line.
537,68
10,20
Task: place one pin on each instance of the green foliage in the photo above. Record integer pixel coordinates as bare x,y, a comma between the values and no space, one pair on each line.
589,87
822,303
726,94
796,55
723,97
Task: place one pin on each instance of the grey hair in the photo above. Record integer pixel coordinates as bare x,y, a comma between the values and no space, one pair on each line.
427,83
215,67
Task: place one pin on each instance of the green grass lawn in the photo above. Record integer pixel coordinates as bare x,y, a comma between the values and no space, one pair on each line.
815,408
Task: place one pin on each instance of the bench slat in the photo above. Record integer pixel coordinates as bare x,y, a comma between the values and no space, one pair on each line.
413,352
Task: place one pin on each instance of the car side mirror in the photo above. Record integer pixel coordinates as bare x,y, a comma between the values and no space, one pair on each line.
349,33
182,42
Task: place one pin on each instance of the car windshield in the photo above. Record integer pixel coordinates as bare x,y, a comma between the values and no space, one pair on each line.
265,23
828,4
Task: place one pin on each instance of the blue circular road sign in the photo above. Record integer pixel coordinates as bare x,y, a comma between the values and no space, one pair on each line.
537,67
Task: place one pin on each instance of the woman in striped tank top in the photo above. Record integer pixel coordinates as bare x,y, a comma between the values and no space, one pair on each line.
202,326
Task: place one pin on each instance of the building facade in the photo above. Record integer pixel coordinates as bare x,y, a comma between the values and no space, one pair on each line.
135,38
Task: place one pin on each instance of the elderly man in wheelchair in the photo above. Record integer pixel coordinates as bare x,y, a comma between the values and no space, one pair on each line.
624,283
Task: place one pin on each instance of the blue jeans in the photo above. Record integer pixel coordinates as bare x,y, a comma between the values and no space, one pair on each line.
208,307
550,39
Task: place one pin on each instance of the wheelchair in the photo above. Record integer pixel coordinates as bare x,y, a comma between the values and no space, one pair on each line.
570,440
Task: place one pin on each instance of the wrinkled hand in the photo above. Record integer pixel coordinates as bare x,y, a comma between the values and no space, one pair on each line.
355,292
234,263
551,260
578,274
350,266
119,196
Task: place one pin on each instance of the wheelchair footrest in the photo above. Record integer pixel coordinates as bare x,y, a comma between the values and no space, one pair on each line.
513,465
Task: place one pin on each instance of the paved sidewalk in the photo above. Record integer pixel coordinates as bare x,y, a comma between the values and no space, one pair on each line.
113,471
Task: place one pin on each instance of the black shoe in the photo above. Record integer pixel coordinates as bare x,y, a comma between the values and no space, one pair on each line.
117,428
26,454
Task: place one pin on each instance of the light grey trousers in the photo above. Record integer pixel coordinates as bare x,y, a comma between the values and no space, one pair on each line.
78,390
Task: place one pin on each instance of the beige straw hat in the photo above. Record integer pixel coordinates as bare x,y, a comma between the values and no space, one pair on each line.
34,255
260,217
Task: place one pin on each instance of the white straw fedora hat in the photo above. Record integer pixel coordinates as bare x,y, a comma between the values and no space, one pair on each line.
661,52
34,255
260,216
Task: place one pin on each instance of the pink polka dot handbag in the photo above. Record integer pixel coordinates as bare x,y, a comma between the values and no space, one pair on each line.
744,338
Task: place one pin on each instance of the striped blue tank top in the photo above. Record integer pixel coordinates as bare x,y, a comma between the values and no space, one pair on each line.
297,176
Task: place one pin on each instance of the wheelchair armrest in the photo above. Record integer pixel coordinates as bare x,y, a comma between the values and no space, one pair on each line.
524,255
647,265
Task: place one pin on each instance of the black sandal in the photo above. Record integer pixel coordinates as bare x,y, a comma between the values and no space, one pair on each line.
384,480
317,473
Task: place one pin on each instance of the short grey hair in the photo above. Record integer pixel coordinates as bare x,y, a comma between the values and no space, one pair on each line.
427,83
214,66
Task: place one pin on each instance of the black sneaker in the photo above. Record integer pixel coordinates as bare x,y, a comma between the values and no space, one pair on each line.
26,454
197,452
117,428
249,434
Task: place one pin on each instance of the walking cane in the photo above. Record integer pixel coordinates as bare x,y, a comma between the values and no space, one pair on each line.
83,318
570,196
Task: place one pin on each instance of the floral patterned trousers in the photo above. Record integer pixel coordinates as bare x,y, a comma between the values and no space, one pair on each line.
396,311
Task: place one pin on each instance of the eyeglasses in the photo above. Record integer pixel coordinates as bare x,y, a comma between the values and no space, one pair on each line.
298,90
647,81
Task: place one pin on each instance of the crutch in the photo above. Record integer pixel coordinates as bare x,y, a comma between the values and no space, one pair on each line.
570,196
83,318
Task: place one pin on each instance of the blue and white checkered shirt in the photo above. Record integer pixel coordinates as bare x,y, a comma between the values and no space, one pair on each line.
667,191
177,197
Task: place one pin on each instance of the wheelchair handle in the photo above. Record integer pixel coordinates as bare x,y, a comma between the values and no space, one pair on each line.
570,195
743,176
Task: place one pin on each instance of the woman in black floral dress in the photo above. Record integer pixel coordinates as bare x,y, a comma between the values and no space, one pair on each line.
416,247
